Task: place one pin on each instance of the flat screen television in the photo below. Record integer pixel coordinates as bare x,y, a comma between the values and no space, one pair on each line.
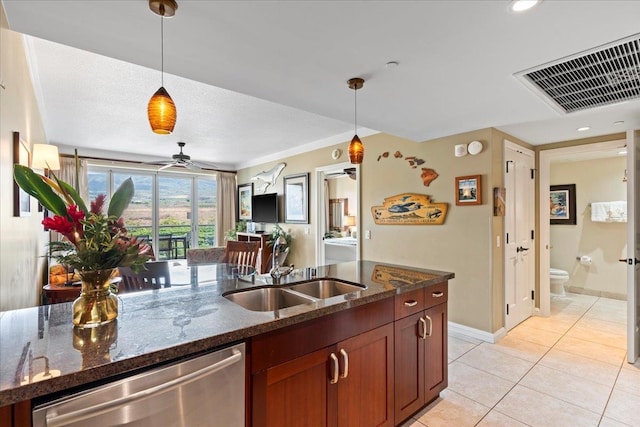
264,208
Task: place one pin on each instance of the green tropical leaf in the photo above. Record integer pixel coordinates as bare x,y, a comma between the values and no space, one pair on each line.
121,198
74,195
33,184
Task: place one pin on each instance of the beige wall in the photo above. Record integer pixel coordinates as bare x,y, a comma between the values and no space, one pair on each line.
596,181
23,239
463,244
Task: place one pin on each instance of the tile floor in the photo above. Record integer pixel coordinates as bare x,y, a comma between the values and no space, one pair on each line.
566,370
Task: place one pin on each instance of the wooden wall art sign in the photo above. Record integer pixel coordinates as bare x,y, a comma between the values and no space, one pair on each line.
391,277
409,209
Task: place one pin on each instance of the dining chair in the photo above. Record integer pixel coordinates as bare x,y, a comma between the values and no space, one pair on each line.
155,276
165,246
243,253
213,255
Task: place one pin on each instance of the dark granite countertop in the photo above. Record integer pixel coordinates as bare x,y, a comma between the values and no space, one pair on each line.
163,325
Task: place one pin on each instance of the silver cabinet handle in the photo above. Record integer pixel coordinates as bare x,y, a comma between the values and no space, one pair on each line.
423,328
334,368
410,303
345,361
437,294
428,334
92,411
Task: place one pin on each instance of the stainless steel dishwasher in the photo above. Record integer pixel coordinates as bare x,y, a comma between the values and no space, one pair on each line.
207,390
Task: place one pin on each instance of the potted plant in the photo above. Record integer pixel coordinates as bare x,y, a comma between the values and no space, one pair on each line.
277,232
232,233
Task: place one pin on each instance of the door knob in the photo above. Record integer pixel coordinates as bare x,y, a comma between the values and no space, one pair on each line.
521,249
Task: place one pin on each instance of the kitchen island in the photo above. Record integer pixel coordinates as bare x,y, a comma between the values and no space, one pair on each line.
154,327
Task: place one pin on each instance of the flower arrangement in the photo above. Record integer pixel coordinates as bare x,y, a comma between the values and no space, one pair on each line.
94,241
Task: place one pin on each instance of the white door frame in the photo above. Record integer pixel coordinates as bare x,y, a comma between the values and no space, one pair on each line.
544,228
633,245
320,173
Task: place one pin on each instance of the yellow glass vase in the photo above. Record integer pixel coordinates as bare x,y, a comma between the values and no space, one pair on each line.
96,305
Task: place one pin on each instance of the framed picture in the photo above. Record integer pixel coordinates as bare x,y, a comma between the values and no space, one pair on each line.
245,191
21,156
468,190
296,198
499,197
562,204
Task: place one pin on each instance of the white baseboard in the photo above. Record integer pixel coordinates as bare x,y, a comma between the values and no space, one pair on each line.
463,332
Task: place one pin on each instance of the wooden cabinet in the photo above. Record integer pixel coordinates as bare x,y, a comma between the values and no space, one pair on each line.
420,348
332,371
265,249
16,415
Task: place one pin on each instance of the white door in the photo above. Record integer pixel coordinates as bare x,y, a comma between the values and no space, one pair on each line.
633,246
519,250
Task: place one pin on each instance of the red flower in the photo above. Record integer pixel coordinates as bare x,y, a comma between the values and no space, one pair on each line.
59,224
76,216
98,204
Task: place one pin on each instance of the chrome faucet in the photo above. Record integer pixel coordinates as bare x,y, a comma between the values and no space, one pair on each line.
277,272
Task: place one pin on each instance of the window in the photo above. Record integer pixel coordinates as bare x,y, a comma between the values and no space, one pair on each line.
177,210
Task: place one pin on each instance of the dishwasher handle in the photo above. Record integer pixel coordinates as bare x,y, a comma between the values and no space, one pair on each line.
91,411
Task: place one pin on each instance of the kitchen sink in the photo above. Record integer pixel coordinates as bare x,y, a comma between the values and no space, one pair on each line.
326,288
267,299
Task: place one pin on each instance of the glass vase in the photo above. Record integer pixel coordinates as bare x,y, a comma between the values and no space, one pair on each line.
96,305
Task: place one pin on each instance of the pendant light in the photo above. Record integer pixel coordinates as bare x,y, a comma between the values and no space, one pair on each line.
161,109
356,149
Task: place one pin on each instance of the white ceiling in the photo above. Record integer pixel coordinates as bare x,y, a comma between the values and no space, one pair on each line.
457,61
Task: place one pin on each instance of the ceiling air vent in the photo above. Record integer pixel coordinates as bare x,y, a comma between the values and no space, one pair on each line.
601,76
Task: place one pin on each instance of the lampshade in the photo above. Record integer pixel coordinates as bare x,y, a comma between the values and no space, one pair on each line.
356,150
350,221
45,156
162,112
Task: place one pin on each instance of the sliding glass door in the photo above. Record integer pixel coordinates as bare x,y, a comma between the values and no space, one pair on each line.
172,211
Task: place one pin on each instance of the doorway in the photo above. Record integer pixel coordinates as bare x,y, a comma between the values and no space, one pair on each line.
546,158
338,212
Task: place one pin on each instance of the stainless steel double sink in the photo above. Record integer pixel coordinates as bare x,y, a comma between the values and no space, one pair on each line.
275,298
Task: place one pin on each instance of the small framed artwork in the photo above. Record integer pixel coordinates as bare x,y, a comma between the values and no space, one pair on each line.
21,156
562,204
468,190
296,198
245,191
499,197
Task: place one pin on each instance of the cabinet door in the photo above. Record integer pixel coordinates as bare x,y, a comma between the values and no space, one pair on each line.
293,393
365,387
409,367
436,351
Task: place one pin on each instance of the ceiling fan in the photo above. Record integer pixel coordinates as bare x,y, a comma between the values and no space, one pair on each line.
183,160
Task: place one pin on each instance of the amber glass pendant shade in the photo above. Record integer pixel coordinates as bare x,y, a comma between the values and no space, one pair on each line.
356,150
162,112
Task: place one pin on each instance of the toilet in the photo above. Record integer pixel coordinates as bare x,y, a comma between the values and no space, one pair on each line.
558,279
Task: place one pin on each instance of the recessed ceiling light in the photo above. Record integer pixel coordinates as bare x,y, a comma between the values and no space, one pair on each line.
583,128
618,123
523,5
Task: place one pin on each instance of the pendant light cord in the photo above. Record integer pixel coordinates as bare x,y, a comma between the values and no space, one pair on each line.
162,49
355,109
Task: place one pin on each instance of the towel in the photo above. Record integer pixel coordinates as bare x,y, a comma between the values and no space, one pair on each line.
609,211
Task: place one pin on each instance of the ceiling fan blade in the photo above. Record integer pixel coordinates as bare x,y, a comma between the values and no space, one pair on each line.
167,166
192,166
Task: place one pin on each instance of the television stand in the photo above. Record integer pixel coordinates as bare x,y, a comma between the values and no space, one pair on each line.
265,249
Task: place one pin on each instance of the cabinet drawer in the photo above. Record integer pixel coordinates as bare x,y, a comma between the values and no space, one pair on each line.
409,303
436,294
